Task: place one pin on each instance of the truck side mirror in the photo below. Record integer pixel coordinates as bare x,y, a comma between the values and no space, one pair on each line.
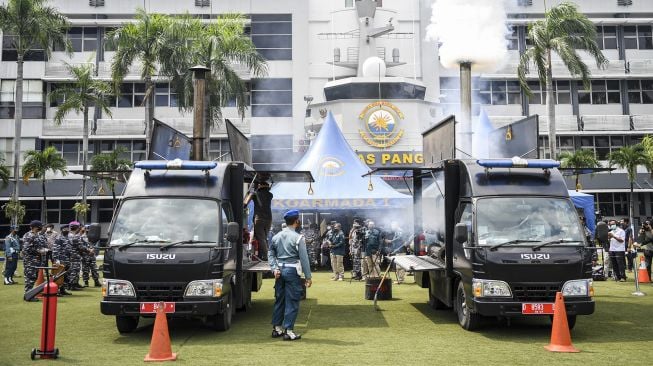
93,233
602,232
460,232
233,230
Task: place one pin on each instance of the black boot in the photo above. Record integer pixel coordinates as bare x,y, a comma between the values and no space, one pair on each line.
85,283
97,283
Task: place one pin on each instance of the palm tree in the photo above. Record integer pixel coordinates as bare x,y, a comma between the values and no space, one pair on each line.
629,158
563,30
578,160
38,163
219,46
34,26
4,173
83,93
148,41
111,162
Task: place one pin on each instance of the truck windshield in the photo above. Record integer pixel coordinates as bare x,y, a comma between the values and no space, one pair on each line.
527,221
154,221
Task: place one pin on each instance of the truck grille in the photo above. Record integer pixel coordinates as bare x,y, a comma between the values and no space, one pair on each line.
532,292
160,291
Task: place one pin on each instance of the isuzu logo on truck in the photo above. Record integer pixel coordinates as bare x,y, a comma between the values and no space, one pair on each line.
535,256
160,256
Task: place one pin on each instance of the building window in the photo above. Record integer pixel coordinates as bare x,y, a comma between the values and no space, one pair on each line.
9,52
601,145
272,35
349,3
600,92
219,150
272,97
71,150
565,144
61,211
561,90
640,91
499,92
513,39
638,37
82,39
134,149
105,208
612,204
606,37
32,91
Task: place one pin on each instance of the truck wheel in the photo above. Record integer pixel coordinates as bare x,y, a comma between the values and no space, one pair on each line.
466,319
126,324
222,321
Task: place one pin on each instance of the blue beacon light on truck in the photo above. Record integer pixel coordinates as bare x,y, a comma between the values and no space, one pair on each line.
517,162
176,164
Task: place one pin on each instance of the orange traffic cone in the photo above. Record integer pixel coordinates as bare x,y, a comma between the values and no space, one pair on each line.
560,336
642,273
160,349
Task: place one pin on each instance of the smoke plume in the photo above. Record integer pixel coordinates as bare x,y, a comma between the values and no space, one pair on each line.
470,30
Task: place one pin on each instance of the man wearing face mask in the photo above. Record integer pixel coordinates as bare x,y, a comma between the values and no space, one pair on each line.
337,246
617,238
50,235
61,256
35,249
288,257
372,245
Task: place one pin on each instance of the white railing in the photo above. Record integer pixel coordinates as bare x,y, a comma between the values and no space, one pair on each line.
117,127
614,68
58,70
606,123
640,67
643,122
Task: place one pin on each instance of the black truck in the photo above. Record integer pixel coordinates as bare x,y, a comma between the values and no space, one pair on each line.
176,238
512,240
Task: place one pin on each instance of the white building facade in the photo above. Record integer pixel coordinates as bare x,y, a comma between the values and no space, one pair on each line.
314,46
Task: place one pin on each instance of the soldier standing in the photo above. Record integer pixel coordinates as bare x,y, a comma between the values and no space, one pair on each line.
372,242
337,246
88,261
355,250
311,245
61,255
288,257
50,235
77,248
35,249
12,248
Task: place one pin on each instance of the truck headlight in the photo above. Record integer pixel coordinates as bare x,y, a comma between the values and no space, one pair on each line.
117,288
490,288
204,288
578,288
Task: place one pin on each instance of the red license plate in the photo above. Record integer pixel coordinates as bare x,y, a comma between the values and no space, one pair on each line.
152,307
537,308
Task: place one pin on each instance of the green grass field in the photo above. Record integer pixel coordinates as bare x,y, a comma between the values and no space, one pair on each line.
339,327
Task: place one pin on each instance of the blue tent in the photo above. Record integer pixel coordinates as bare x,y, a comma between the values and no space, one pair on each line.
339,184
585,202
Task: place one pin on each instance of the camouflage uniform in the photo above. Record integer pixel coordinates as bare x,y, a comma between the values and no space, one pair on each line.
88,262
355,250
77,248
312,247
61,254
34,246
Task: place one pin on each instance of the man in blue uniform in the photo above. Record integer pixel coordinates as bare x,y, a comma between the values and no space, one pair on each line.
288,257
35,249
12,248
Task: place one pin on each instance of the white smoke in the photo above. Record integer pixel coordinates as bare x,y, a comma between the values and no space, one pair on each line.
470,31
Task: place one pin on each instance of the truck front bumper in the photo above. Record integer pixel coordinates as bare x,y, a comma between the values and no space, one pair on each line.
182,308
514,308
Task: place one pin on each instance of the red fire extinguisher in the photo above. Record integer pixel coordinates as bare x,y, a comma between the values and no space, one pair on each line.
49,320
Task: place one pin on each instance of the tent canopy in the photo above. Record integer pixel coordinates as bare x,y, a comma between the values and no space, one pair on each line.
339,184
586,203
